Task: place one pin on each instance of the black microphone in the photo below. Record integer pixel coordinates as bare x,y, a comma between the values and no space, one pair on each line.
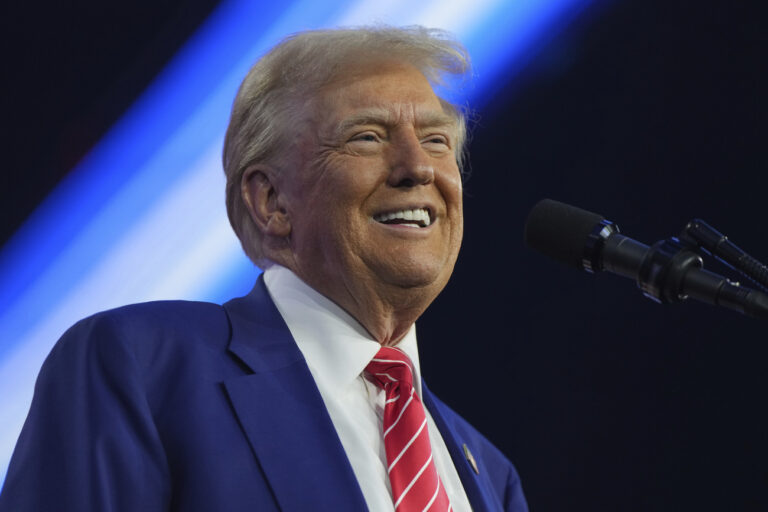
668,271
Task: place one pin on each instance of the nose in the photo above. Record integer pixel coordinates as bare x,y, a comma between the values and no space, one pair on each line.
410,164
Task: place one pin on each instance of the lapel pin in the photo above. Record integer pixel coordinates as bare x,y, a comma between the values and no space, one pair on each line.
470,459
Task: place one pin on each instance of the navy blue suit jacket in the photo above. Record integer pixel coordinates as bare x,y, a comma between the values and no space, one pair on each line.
199,407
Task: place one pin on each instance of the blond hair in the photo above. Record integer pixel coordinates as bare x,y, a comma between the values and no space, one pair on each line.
299,66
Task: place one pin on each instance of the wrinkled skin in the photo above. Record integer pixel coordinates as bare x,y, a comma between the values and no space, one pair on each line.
372,142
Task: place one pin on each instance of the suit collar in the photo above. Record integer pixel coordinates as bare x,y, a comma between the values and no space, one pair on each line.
282,413
476,486
287,424
337,348
259,335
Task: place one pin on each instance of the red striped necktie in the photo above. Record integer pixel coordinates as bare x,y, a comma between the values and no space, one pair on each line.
416,486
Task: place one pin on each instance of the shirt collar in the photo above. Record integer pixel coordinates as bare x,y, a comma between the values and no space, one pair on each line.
336,347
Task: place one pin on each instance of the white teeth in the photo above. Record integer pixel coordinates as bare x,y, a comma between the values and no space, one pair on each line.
420,215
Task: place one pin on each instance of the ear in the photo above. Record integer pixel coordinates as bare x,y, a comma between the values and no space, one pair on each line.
262,199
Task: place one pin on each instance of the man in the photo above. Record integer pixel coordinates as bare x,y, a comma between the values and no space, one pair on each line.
343,182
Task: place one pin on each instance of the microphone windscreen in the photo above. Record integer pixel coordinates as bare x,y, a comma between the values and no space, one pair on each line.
560,231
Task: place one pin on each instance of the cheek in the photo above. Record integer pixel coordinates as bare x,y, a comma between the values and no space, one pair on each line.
453,195
451,188
337,207
347,191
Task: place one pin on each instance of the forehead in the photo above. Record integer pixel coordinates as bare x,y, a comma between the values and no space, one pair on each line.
389,93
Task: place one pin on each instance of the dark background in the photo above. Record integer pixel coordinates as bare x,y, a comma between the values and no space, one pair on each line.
648,112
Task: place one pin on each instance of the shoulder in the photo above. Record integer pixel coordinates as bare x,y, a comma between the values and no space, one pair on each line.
161,319
173,314
101,403
142,334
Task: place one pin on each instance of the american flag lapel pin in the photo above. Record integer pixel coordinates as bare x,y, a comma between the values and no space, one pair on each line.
470,459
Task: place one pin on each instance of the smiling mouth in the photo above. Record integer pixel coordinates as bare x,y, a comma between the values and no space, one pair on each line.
417,218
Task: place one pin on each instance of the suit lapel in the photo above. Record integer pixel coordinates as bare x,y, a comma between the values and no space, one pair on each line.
283,415
474,485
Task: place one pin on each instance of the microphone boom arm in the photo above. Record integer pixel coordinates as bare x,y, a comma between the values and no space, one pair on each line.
699,233
670,270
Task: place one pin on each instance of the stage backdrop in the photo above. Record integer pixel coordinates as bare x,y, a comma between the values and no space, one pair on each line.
648,112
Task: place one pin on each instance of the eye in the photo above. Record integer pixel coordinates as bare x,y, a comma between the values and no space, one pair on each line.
436,141
365,137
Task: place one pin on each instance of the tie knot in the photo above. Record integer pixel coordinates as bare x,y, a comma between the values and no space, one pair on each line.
389,366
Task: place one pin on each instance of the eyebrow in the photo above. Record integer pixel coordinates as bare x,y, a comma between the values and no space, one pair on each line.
428,119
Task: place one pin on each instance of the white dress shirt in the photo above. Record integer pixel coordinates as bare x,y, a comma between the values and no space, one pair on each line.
337,350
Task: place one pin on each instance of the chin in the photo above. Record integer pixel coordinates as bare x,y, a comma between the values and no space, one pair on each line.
412,275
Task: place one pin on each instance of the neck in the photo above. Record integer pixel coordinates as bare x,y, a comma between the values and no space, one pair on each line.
387,317
385,307
386,312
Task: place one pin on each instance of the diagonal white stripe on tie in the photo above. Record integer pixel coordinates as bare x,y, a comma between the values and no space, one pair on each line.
410,399
414,483
434,497
405,449
415,479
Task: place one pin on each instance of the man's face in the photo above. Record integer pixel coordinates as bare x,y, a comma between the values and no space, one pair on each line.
372,189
